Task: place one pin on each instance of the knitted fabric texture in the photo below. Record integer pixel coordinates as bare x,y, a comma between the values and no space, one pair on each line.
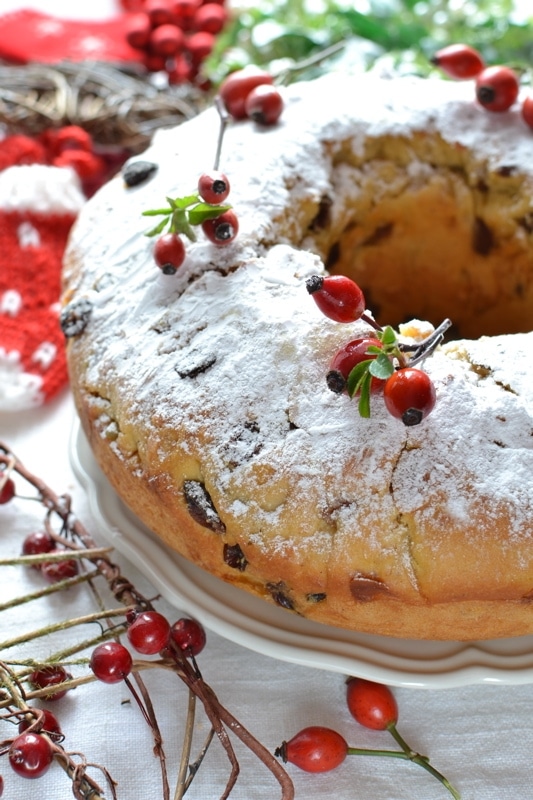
38,204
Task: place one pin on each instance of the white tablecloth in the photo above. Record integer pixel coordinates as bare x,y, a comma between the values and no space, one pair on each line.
479,736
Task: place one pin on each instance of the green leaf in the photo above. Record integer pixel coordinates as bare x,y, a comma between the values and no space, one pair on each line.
204,211
357,376
180,224
158,228
388,336
156,212
185,202
381,367
364,397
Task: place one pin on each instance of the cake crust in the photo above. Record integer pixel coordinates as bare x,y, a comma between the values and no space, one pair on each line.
203,395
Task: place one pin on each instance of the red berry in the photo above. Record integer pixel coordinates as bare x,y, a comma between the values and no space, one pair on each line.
497,88
72,137
527,110
111,662
210,17
189,635
169,253
237,86
7,489
159,12
138,30
56,571
30,755
199,46
348,357
315,749
337,296
149,632
47,678
166,40
87,165
264,104
409,395
49,724
213,187
154,62
371,704
459,61
37,543
223,229
185,11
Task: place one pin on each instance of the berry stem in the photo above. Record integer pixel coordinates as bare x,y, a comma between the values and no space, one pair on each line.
371,321
224,118
181,785
425,348
422,761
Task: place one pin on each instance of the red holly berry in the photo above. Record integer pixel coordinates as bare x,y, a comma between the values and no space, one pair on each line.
169,253
527,110
30,755
264,104
37,543
72,137
223,229
314,749
138,29
185,11
189,635
159,12
371,704
213,187
166,40
237,86
47,678
210,17
149,632
48,725
497,88
7,489
459,61
409,395
56,571
345,359
338,297
199,45
111,662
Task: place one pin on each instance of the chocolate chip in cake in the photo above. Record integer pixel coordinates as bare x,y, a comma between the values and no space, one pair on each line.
316,597
196,369
201,507
234,557
136,172
75,316
365,588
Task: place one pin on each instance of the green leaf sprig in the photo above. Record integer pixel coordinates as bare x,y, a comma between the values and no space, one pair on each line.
184,213
384,360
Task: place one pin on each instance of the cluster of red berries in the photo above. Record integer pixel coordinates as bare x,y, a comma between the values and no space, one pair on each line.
175,36
496,87
206,208
373,705
377,363
68,146
250,93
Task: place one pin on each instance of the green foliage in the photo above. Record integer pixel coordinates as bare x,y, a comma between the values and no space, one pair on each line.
406,32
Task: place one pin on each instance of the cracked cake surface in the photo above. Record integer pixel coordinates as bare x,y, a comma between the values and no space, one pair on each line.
203,394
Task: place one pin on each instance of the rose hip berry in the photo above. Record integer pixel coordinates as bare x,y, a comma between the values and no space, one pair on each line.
237,86
56,571
49,725
497,88
264,104
169,253
338,297
223,229
111,662
189,635
7,490
213,187
371,704
314,749
349,356
37,543
527,110
459,61
47,678
409,395
30,755
149,632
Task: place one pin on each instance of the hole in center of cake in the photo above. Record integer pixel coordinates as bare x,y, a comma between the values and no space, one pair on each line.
433,238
